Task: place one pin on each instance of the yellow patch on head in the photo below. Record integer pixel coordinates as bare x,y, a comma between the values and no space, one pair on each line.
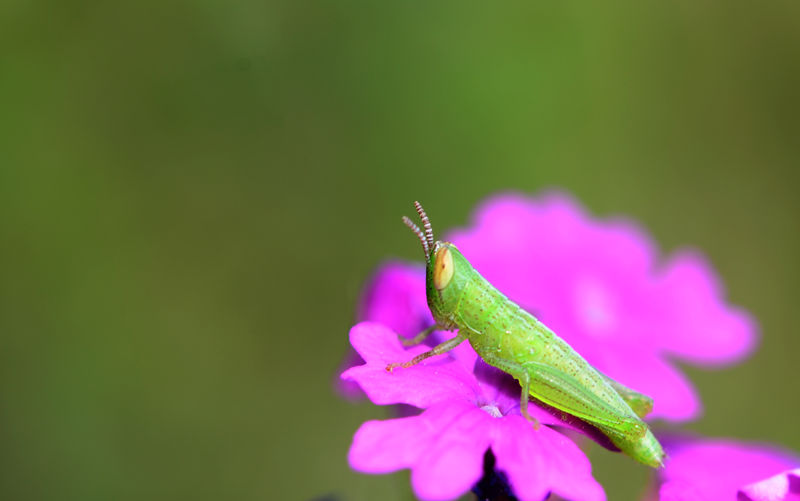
442,268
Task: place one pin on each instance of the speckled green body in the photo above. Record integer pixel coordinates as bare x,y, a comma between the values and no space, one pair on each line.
510,338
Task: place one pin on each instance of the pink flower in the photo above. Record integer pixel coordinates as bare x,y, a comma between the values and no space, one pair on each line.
727,470
598,285
469,408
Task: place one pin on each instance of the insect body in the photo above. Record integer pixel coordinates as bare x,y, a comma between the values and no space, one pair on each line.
513,340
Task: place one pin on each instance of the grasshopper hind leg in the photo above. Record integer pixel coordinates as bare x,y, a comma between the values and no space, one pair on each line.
641,404
564,392
524,379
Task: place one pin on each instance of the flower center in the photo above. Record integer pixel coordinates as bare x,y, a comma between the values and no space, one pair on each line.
492,410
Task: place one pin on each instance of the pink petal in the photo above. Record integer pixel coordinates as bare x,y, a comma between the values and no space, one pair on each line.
453,461
347,388
716,469
386,446
502,244
702,327
433,380
395,297
784,486
540,461
677,490
377,343
444,447
527,247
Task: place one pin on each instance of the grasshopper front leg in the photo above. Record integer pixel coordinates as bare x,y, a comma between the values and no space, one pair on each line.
413,341
437,350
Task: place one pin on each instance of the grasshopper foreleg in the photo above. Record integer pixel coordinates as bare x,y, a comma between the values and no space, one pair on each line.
524,378
437,350
413,341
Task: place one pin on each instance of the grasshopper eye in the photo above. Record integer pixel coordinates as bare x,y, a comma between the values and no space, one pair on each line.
443,268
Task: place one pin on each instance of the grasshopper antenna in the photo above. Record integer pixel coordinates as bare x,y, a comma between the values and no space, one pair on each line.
419,234
426,223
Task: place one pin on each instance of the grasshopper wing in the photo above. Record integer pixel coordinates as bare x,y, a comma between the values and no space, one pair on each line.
564,392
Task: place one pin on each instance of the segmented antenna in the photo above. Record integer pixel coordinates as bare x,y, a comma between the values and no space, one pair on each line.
419,234
426,223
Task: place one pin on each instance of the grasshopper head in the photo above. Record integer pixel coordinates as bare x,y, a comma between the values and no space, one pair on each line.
443,260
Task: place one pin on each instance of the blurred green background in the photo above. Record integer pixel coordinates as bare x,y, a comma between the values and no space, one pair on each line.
193,193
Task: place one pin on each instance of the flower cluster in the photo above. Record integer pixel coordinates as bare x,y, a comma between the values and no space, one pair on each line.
600,286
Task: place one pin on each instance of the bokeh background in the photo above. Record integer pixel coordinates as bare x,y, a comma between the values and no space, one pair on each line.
192,194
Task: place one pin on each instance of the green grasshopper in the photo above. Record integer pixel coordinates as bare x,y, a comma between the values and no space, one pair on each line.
511,339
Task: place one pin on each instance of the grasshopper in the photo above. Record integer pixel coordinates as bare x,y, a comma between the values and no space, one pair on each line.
511,339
